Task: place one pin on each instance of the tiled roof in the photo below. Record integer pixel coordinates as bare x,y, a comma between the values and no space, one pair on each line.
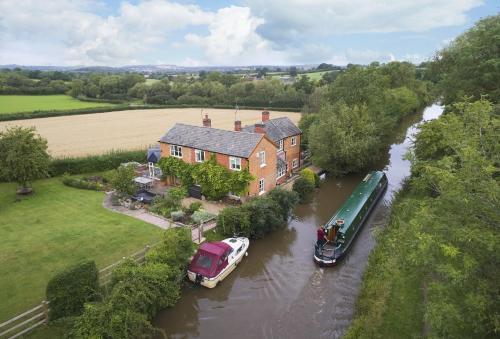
277,129
239,144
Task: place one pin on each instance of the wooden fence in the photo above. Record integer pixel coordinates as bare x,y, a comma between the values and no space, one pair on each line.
39,315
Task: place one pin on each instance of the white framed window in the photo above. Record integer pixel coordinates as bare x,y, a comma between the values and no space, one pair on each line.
294,141
281,172
261,186
199,155
176,151
235,163
295,163
280,145
262,158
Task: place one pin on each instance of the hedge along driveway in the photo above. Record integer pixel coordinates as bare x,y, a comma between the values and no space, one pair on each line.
56,227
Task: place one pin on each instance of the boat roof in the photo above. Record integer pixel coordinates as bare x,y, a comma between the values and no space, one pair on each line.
216,248
356,200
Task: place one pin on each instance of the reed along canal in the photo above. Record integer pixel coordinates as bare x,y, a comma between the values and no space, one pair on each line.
278,291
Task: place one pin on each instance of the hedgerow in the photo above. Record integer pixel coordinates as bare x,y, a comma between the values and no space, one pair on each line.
68,290
94,163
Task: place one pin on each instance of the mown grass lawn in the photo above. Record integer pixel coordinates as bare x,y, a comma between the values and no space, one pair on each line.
29,103
56,227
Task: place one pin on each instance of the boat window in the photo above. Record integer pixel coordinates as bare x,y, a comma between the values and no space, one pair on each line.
204,261
239,249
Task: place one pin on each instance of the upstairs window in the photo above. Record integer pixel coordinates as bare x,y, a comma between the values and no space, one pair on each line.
235,163
294,141
176,151
262,158
280,145
199,155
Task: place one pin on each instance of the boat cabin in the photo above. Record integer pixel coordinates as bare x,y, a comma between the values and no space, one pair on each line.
211,259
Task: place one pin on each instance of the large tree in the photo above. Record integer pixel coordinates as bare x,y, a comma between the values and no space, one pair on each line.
470,65
23,156
344,139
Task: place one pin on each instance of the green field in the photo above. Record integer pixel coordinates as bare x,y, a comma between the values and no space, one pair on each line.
56,227
30,103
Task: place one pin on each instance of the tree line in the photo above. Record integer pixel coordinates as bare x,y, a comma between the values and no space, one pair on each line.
347,122
435,270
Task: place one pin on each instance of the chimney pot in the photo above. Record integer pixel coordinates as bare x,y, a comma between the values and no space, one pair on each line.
237,125
206,121
259,128
265,115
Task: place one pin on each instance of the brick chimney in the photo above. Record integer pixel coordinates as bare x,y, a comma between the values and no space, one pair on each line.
259,128
206,121
237,125
265,115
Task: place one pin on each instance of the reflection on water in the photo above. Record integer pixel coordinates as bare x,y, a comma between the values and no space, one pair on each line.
278,291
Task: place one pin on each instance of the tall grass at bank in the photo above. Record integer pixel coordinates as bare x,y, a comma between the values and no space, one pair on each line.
391,302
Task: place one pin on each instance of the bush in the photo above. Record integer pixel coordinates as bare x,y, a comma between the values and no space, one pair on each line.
258,216
286,201
310,176
304,188
234,221
177,215
168,203
175,250
68,290
194,206
122,180
201,216
82,183
139,292
94,163
103,320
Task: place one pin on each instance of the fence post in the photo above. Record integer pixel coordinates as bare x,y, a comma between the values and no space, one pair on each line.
45,305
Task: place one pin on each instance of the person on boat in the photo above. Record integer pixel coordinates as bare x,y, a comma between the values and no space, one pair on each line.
322,239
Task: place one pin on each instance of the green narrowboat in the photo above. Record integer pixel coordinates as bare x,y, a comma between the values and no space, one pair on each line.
342,228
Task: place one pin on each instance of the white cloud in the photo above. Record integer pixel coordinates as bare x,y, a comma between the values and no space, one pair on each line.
232,39
262,32
289,20
87,38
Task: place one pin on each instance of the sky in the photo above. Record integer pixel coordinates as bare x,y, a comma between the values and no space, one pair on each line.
231,33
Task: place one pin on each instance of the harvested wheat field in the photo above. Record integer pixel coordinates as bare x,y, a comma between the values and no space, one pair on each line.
80,135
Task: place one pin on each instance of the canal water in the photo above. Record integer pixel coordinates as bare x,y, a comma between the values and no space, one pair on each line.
278,291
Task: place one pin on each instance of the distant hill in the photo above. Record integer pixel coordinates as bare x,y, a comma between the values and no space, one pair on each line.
147,69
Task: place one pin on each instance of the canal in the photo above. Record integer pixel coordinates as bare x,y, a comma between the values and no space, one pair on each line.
278,291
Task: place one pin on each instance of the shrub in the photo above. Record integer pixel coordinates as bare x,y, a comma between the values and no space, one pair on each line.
177,215
258,216
81,183
264,216
139,292
103,320
68,290
310,176
122,180
175,250
304,188
234,221
201,216
194,206
168,203
285,199
94,163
